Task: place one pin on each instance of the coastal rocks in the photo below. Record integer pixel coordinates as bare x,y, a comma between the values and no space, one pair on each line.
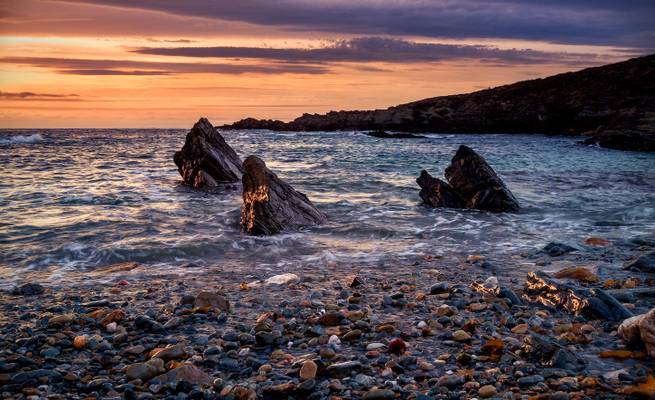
437,193
185,373
270,205
144,371
472,183
630,140
540,288
381,134
474,180
640,329
206,160
643,263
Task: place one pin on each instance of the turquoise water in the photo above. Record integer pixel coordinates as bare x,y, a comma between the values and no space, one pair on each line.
73,200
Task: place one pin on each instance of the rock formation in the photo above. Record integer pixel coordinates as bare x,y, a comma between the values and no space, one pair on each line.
270,205
438,193
206,160
472,183
617,98
381,134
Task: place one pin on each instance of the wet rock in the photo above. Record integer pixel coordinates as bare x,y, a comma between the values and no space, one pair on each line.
280,391
308,370
47,374
397,346
555,249
212,300
142,371
185,373
640,329
270,205
282,279
643,263
331,318
438,288
478,184
437,193
29,289
461,336
143,322
343,369
450,381
487,391
61,319
206,160
170,353
540,288
379,394
531,380
549,353
79,342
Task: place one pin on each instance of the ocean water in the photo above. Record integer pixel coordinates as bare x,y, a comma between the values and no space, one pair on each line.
75,200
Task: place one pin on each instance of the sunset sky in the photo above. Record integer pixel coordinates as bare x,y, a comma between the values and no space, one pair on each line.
147,63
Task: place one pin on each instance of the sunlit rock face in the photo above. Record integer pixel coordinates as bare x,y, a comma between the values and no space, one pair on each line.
206,160
270,205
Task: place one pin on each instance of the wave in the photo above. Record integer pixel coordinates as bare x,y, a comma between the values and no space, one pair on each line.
21,139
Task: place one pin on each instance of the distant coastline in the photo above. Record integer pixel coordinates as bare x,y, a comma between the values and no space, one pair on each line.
614,105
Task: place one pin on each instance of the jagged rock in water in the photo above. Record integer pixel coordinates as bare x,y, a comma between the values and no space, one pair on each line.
541,288
477,183
438,193
640,329
206,160
270,205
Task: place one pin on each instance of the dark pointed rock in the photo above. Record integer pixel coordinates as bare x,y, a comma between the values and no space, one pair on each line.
206,160
438,193
478,184
270,205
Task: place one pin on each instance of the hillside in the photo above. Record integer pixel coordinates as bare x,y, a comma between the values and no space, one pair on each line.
614,101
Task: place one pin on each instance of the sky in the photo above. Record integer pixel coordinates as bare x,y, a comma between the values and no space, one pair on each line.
165,63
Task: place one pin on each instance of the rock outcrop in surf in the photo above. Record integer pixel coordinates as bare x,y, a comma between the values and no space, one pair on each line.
472,183
206,160
270,205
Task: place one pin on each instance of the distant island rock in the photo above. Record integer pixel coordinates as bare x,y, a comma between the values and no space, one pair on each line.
206,160
617,98
395,135
472,183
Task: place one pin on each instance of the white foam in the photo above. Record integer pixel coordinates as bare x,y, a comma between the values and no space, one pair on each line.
21,139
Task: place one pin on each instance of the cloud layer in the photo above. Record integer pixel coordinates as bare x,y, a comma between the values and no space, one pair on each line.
20,96
77,66
375,49
606,22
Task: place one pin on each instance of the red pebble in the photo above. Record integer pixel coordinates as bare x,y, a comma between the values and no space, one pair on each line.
397,346
123,283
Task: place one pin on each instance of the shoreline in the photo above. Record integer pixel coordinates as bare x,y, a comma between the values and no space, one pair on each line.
461,342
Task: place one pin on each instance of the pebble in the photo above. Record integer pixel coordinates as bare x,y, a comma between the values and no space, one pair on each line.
308,370
379,394
487,391
461,336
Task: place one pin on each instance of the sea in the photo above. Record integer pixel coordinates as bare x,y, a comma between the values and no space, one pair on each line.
75,200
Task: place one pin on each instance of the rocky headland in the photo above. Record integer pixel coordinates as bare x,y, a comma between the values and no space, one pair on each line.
613,105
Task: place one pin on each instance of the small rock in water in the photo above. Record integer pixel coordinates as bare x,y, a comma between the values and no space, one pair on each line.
555,249
640,329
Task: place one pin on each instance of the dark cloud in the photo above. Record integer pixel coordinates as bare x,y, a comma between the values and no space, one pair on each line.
129,67
623,23
37,96
376,49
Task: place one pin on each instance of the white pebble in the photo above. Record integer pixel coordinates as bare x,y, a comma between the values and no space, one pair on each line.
422,324
334,340
244,352
289,344
112,327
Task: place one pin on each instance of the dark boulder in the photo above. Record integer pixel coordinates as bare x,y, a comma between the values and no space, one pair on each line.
270,205
438,193
206,160
643,263
476,182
